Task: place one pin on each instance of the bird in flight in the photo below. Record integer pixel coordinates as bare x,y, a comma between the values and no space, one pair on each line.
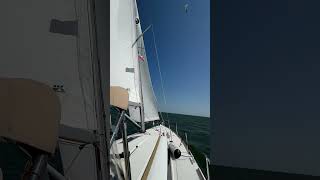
186,8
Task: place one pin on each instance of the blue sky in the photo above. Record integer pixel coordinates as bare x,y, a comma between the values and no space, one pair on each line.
183,43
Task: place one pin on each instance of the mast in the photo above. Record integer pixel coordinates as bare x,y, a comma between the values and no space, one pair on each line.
140,84
137,21
142,105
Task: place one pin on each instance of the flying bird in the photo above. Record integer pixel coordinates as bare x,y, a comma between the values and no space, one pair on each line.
186,8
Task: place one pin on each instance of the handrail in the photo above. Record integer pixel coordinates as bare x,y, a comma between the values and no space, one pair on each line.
54,173
207,167
115,132
136,124
126,152
122,124
187,144
39,167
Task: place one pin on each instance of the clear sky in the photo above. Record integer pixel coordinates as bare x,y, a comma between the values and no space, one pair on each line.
267,85
183,43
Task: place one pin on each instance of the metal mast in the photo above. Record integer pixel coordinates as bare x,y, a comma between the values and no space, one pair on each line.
137,20
141,107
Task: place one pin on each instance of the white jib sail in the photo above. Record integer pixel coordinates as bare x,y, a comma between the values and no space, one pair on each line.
149,101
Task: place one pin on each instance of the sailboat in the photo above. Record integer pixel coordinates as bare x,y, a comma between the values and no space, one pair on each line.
157,153
53,96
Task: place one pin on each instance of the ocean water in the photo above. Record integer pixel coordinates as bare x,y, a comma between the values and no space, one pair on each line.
198,134
196,128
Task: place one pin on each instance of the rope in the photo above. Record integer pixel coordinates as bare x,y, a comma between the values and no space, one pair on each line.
161,79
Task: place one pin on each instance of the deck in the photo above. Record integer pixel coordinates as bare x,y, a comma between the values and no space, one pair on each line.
161,167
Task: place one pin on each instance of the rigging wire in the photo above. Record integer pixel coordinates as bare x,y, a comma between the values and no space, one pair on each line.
158,63
81,147
160,74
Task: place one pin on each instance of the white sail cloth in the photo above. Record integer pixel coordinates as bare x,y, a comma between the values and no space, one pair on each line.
124,69
29,50
149,98
51,42
129,65
149,102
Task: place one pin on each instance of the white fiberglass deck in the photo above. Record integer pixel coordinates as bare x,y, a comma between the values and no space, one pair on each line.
141,147
185,167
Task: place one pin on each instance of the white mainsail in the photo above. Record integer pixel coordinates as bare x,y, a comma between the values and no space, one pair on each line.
128,69
52,42
124,71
